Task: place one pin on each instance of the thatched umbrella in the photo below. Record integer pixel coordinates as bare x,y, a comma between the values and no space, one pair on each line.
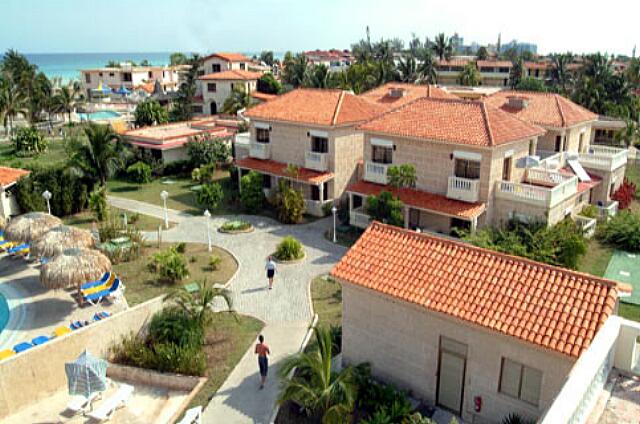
73,267
3,223
29,226
61,238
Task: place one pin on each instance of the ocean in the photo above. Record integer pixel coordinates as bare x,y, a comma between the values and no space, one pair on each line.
68,65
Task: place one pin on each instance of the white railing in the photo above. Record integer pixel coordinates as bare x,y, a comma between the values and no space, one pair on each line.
316,161
260,150
540,196
463,189
551,159
315,207
607,211
604,158
359,219
588,225
376,172
546,177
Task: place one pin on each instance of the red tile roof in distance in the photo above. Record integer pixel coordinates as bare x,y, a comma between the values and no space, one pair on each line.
231,75
494,64
229,57
279,169
452,121
551,307
11,175
383,97
422,200
549,109
316,107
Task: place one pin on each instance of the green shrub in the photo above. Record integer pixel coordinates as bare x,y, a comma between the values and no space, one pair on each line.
98,203
181,247
150,112
139,172
386,208
589,211
172,326
289,249
214,262
251,193
177,168
208,150
193,259
29,142
622,231
289,203
170,265
210,195
134,218
236,225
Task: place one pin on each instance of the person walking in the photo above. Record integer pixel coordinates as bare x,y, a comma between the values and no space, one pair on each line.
262,350
271,270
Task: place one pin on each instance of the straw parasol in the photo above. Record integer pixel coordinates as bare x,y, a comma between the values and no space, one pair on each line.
61,238
3,223
73,267
29,226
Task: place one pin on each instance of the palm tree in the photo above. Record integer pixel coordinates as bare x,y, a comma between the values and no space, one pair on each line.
238,99
630,134
199,306
13,102
517,73
67,99
469,76
482,53
442,47
97,156
407,69
295,70
427,67
317,77
633,72
560,73
316,386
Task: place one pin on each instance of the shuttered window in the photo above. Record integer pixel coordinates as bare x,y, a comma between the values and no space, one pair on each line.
520,381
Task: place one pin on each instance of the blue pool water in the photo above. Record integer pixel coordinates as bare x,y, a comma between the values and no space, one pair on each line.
4,312
103,115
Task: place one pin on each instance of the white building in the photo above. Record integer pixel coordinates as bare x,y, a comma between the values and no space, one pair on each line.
218,86
130,77
8,179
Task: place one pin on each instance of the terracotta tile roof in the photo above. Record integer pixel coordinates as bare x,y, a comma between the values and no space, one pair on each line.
229,57
382,95
537,65
494,64
452,62
279,169
551,307
422,200
11,175
231,75
315,106
263,96
452,121
548,109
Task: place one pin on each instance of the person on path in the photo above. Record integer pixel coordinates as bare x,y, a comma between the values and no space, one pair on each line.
271,270
262,350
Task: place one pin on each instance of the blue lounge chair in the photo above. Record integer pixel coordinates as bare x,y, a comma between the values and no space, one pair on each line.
102,280
75,325
95,298
21,347
16,249
40,340
101,315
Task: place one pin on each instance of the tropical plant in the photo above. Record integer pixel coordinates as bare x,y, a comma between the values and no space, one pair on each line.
267,83
622,231
289,249
98,203
482,53
295,69
99,155
385,208
630,134
514,418
173,326
407,69
251,193
139,173
531,84
150,112
28,141
182,107
210,195
427,67
238,100
266,56
198,306
235,225
13,103
178,59
169,264
516,74
561,74
67,99
315,386
442,47
208,149
289,203
469,75
214,262
625,194
317,76
402,176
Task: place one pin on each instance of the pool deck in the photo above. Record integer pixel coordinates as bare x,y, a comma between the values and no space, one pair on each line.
35,311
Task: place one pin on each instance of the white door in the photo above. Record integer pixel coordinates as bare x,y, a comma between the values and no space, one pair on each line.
451,378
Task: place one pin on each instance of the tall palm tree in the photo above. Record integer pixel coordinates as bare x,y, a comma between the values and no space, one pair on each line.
633,72
66,100
200,306
317,77
442,47
13,102
407,69
99,155
295,70
238,99
560,73
517,73
469,76
316,386
427,67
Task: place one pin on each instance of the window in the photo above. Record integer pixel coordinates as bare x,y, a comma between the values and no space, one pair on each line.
580,142
242,66
467,169
266,181
315,192
319,144
506,169
504,70
382,154
150,74
520,381
111,74
211,87
126,77
100,74
87,78
558,146
215,68
532,147
262,135
196,108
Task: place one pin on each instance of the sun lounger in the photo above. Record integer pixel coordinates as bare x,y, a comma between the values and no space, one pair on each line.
40,340
106,408
6,353
21,347
78,324
81,404
6,245
192,416
101,281
113,291
101,315
17,250
104,286
61,331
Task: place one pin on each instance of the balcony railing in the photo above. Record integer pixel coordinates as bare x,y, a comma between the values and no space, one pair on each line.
260,150
607,211
463,189
588,225
359,219
545,177
315,207
376,172
316,161
536,195
604,158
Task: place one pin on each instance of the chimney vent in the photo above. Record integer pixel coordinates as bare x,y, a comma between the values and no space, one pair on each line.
396,92
517,102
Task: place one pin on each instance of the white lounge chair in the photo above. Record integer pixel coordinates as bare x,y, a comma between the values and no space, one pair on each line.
117,400
192,416
81,404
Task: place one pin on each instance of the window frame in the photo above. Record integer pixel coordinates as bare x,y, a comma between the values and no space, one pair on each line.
520,381
210,86
467,168
319,144
385,158
260,132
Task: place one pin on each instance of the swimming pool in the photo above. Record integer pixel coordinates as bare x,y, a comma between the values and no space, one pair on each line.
4,312
103,115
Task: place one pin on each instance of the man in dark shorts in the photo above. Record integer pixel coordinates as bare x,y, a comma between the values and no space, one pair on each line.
262,350
271,270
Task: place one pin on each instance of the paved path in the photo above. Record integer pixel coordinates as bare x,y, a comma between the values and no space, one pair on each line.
286,309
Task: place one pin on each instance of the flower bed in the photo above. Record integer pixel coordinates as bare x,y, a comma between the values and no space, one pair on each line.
236,226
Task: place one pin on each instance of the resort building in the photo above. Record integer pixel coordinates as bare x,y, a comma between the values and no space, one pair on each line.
537,70
484,334
395,94
217,87
219,62
495,73
167,142
130,77
448,71
604,130
8,202
334,60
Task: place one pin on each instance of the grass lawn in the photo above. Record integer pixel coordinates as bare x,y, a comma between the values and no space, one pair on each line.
142,284
55,153
596,259
326,295
226,342
86,218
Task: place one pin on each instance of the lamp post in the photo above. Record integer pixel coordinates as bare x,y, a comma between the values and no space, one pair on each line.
333,211
207,215
164,195
47,196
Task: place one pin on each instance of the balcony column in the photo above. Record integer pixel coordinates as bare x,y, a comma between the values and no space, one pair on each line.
239,180
474,224
406,217
350,202
321,190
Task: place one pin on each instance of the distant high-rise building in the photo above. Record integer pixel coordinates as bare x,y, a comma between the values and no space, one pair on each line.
520,47
456,42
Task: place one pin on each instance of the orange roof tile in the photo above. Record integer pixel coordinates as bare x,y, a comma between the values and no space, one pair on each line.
229,57
11,175
279,169
537,65
231,75
315,106
494,64
382,95
548,109
536,303
453,62
422,200
453,121
263,96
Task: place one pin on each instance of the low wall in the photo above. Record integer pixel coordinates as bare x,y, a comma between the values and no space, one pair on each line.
34,375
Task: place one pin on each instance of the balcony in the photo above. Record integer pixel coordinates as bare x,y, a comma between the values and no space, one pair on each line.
359,219
463,189
260,150
605,212
376,172
603,158
536,194
316,161
316,207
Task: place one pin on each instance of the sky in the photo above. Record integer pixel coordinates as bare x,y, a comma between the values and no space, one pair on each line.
51,26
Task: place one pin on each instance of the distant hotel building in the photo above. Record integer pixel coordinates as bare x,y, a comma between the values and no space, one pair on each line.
131,77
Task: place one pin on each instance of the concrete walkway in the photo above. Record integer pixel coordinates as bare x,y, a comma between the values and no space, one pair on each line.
286,309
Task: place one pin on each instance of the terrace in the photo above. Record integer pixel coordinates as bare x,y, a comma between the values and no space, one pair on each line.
541,187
